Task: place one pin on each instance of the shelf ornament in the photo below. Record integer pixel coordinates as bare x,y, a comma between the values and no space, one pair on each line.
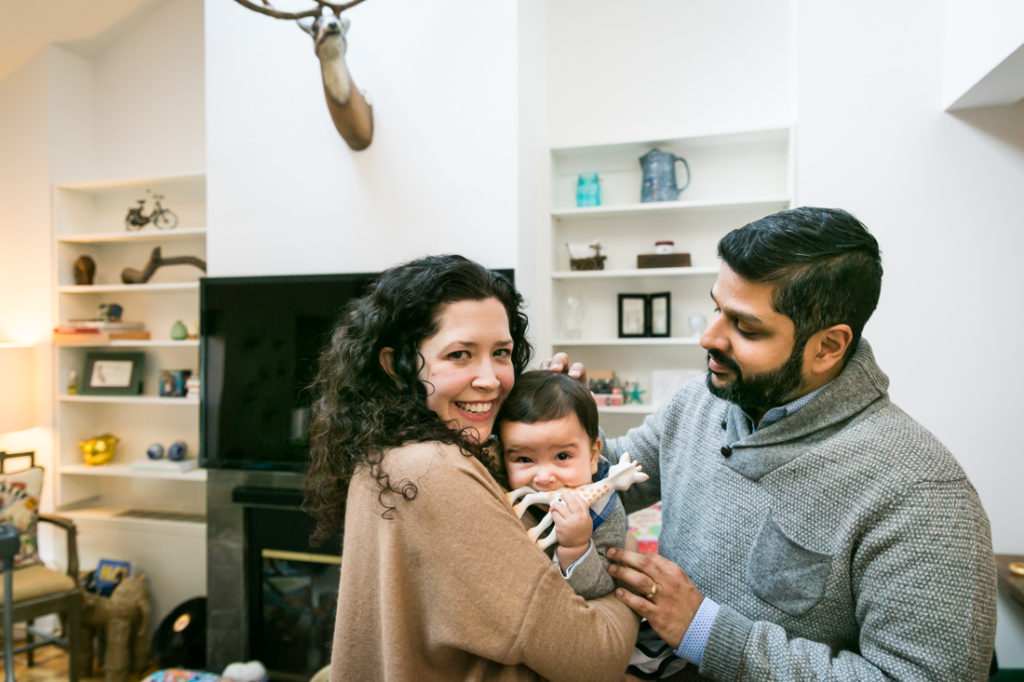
659,176
349,108
99,449
162,218
580,259
156,261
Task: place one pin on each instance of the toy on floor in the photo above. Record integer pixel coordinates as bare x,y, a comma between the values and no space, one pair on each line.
620,476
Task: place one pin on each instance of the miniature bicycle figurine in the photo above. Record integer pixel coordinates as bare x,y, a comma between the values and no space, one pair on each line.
163,218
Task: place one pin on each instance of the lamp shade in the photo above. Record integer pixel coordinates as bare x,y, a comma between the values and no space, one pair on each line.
17,392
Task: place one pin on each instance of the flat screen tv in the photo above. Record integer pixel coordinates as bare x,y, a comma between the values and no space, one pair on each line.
260,339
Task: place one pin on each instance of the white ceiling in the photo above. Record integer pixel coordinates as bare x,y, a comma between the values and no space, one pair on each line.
82,26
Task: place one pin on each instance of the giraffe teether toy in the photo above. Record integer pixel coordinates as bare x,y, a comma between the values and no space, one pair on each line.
620,476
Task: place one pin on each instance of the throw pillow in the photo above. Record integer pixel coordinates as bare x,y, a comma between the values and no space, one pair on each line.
19,506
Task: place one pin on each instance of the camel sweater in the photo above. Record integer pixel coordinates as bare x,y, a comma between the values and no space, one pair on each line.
842,542
451,588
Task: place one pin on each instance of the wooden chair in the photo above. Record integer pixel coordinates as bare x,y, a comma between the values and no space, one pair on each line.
38,591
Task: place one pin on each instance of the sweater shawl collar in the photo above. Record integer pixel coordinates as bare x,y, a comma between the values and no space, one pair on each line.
754,455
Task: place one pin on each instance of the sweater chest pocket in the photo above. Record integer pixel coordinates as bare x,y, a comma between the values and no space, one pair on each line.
784,573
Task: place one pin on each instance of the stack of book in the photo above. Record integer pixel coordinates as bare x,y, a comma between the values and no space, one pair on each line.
97,332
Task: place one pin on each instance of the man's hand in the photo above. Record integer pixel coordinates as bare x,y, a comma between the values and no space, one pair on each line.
560,363
675,600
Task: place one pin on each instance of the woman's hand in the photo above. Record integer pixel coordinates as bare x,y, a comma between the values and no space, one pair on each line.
560,363
665,595
573,527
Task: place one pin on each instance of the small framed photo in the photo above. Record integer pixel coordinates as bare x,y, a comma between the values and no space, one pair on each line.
661,314
112,373
633,315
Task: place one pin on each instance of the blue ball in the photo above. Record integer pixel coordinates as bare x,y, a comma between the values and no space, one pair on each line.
177,451
155,451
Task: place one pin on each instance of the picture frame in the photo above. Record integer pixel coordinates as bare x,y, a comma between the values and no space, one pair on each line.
633,316
112,373
660,313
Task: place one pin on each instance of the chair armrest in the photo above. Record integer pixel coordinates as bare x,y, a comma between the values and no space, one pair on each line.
72,536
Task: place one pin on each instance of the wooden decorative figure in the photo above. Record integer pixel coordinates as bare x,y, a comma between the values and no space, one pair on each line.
157,260
350,111
620,477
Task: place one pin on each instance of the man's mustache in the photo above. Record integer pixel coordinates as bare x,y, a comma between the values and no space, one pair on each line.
723,360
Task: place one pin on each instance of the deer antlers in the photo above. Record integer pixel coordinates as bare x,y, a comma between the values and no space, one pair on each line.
350,112
267,8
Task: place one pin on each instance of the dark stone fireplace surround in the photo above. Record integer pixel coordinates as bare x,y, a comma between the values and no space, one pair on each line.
227,617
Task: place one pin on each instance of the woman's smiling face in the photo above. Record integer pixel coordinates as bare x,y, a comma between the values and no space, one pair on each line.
467,368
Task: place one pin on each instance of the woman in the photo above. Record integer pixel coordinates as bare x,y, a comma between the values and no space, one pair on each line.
438,579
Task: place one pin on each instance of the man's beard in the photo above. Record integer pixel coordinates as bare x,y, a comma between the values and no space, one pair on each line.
759,392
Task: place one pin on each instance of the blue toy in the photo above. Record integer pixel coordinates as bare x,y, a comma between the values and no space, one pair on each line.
155,451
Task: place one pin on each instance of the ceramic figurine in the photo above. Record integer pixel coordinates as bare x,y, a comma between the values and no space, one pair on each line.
85,270
179,332
620,477
177,451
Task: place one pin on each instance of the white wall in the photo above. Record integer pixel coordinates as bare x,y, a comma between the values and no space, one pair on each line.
25,247
286,195
657,68
942,193
978,36
149,96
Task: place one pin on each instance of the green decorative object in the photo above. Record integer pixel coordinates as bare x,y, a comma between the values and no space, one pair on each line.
633,393
178,331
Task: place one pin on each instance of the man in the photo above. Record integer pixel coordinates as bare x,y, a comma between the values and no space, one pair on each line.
811,529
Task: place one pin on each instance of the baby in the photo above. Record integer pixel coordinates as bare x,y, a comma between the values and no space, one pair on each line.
548,431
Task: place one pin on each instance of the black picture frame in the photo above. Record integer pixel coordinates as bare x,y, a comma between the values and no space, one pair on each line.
634,316
660,314
112,373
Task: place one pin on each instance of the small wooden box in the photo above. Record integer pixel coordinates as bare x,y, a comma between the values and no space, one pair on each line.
663,260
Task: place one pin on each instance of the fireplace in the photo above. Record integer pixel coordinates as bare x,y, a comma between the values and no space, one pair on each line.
271,597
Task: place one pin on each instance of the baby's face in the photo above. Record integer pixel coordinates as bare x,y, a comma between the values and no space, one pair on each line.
548,455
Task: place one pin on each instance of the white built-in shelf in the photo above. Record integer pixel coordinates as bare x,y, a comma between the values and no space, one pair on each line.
130,399
128,343
768,204
138,519
162,181
122,288
640,341
148,234
634,272
626,409
127,471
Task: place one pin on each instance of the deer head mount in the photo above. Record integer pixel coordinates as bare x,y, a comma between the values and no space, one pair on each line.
349,109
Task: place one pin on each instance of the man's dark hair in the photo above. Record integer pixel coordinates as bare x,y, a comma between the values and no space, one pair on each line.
542,396
823,263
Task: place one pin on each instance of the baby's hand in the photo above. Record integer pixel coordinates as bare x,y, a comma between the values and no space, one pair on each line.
571,516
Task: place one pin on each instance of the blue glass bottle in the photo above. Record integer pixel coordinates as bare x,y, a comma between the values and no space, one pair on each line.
588,190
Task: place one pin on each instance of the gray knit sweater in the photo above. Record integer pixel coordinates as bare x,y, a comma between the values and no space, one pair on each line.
843,542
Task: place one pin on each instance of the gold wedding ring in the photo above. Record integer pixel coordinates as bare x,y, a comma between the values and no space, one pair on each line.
654,591
1017,567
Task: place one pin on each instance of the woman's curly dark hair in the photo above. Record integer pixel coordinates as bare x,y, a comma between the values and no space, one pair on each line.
359,410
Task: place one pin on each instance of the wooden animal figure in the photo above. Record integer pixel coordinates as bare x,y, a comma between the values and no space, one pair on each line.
620,476
350,110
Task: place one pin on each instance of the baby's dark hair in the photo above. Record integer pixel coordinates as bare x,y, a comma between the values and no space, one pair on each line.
542,395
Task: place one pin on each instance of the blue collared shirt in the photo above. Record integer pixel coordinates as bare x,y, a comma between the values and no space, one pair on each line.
696,637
